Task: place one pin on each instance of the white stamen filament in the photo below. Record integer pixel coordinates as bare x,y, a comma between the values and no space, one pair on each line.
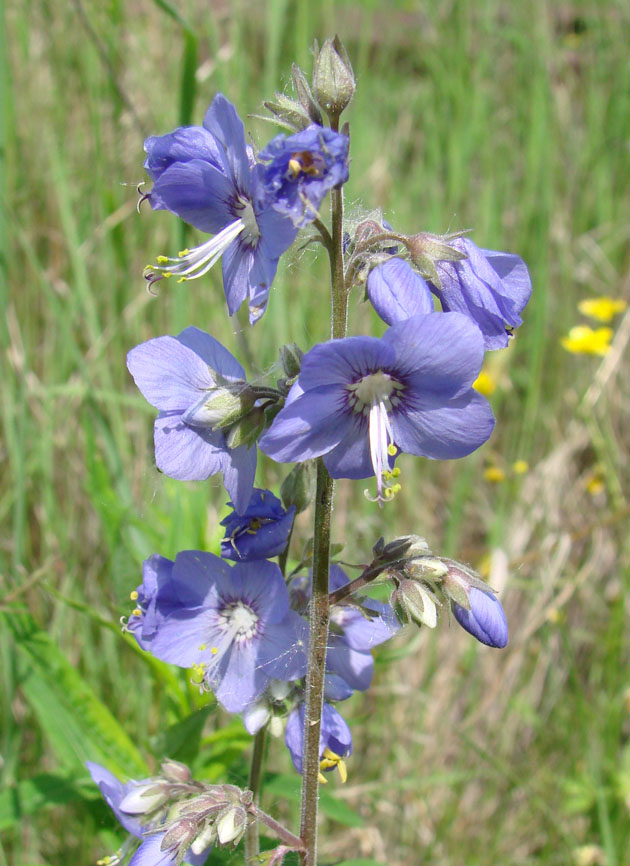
375,395
195,263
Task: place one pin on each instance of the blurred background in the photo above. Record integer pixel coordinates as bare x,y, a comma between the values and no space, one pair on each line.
511,119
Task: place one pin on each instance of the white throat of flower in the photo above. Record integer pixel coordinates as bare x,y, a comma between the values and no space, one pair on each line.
192,264
238,622
375,396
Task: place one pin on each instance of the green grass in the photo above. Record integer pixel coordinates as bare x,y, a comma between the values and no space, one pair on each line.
511,119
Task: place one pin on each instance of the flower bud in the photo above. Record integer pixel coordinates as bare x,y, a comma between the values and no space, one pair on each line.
231,825
485,620
221,407
333,78
305,96
180,834
204,840
288,113
291,359
144,797
173,771
412,603
405,546
430,567
298,488
247,430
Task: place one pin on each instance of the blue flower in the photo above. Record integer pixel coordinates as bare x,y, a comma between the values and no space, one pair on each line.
232,624
260,531
397,292
485,620
207,176
180,376
335,739
490,287
359,400
302,169
138,813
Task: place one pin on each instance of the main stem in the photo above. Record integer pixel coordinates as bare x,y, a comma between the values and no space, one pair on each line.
319,610
252,843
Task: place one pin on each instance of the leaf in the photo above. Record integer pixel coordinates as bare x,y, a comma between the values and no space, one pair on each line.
79,726
31,796
181,740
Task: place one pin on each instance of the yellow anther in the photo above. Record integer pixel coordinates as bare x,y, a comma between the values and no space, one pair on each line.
396,488
167,274
133,595
392,450
494,474
214,650
388,493
202,647
396,472
330,760
322,779
182,279
136,612
161,260
386,475
520,467
183,253
602,309
294,168
485,383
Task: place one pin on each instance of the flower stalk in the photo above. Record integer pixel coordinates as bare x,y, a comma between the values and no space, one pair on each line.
319,611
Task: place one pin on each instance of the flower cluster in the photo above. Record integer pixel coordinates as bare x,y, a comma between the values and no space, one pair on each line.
238,621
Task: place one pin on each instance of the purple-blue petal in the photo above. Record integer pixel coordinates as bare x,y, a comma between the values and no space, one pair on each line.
343,362
196,192
222,121
397,292
485,620
169,375
239,470
216,356
182,145
187,453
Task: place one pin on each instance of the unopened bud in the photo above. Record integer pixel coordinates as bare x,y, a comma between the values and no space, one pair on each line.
221,407
333,78
405,546
204,840
430,567
173,771
231,825
291,359
298,488
305,96
288,113
247,430
180,834
144,797
412,603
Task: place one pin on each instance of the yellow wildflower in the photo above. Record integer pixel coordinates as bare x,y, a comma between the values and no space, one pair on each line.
583,340
520,467
602,309
494,474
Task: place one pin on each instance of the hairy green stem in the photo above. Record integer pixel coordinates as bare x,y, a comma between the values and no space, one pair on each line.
281,832
252,843
319,608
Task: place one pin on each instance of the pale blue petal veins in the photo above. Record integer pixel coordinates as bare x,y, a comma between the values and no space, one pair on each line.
168,374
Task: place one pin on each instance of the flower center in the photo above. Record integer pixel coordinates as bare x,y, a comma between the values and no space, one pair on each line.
304,162
251,232
240,620
375,396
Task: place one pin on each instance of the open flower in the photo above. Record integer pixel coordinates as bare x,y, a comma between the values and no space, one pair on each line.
302,169
359,400
490,287
335,739
232,624
195,382
260,531
207,176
